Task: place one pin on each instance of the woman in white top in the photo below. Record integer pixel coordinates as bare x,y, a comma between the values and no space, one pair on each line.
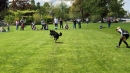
124,36
56,23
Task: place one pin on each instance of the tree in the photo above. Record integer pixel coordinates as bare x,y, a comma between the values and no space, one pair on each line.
38,5
3,13
33,5
115,6
47,8
20,5
9,19
3,5
37,18
78,6
32,2
63,10
96,8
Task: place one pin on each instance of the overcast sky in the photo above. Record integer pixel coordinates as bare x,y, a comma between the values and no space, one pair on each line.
126,6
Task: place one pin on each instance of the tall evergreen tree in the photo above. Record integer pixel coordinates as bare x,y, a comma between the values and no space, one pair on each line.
33,2
33,5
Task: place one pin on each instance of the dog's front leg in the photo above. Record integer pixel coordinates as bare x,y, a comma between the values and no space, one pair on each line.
55,39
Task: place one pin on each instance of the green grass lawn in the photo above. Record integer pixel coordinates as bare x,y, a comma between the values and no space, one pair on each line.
85,50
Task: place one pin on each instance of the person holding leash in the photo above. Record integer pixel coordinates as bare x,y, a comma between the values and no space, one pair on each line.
124,37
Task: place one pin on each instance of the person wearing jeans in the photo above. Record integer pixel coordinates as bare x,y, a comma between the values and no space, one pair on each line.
74,23
17,24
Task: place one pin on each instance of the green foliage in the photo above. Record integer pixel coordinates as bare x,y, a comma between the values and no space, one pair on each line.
4,13
9,19
98,7
33,2
33,7
115,6
18,14
37,18
46,4
48,19
95,18
29,20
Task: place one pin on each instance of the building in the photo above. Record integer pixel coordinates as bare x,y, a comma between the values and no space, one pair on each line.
3,4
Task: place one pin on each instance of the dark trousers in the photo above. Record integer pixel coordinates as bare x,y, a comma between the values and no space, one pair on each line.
79,24
74,25
126,36
109,24
56,26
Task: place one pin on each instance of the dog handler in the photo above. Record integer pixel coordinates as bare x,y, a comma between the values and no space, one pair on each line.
124,36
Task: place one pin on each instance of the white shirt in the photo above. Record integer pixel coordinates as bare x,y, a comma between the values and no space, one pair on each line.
121,31
42,22
86,19
56,20
78,20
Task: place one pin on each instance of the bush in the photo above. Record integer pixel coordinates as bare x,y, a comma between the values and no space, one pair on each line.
48,19
37,18
29,20
9,19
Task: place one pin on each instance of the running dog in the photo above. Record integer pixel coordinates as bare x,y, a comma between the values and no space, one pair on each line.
55,34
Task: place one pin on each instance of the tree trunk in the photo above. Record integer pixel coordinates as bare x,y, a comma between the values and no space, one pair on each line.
82,14
102,21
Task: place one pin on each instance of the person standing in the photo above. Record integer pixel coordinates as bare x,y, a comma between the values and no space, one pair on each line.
124,37
109,22
22,21
61,23
42,23
8,27
87,20
79,22
17,24
74,23
56,23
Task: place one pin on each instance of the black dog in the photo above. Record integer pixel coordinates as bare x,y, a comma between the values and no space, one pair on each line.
55,34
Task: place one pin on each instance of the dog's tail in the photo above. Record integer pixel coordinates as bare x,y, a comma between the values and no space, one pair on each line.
60,34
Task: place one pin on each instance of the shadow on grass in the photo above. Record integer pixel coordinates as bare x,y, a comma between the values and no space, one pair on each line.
59,42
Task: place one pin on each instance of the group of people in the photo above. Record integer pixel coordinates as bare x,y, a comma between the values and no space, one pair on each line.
75,22
78,21
21,23
44,26
56,21
124,33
